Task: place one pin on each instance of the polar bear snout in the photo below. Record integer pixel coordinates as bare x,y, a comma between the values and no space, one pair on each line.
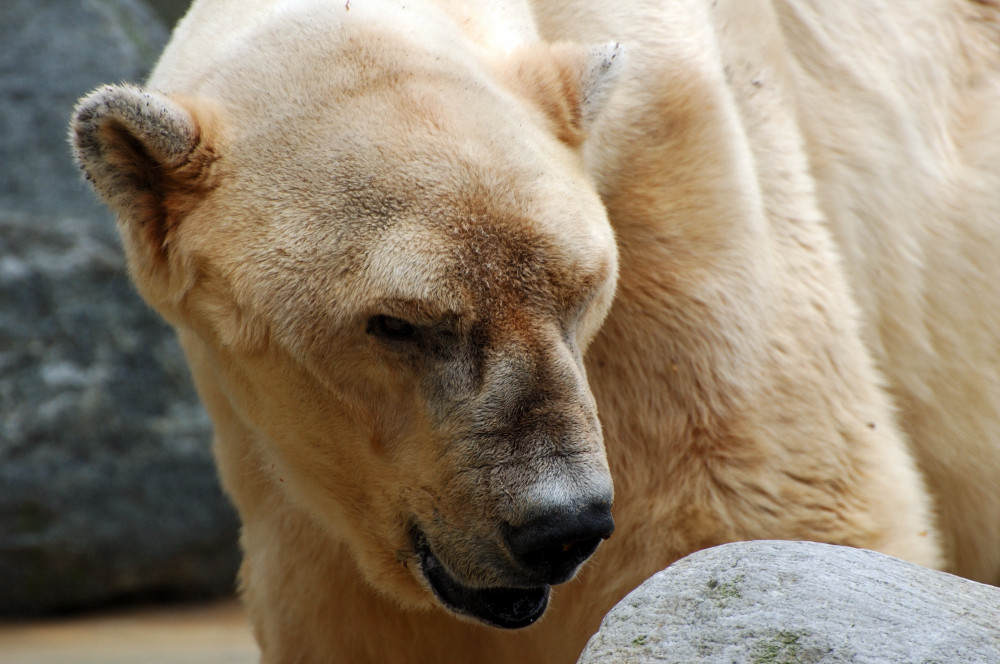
553,544
505,582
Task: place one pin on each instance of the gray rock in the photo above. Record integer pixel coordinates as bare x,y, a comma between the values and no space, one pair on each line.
800,602
170,10
54,51
107,485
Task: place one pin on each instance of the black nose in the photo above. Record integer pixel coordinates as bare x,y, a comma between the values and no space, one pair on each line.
553,544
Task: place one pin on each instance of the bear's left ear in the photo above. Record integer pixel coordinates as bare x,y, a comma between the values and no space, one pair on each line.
568,82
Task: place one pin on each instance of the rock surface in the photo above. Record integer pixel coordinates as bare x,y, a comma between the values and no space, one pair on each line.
107,486
800,602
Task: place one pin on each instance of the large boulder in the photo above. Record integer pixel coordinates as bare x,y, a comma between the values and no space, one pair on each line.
799,602
107,486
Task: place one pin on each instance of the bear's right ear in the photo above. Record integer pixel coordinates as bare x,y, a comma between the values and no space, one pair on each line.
149,158
570,83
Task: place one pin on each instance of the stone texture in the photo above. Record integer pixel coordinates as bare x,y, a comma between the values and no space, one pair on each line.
170,11
107,486
800,602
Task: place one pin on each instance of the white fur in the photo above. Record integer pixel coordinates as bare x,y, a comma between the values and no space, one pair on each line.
796,199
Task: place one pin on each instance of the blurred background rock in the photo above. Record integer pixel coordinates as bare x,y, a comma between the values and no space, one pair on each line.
169,10
107,485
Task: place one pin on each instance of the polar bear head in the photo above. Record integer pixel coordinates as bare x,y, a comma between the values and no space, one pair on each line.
385,261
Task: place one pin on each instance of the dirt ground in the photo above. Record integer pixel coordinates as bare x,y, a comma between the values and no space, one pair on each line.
185,634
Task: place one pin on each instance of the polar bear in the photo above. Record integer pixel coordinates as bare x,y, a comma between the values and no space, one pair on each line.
500,307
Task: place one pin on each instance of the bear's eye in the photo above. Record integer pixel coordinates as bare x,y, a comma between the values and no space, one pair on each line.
388,328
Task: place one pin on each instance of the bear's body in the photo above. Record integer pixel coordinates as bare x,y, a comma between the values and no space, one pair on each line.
379,229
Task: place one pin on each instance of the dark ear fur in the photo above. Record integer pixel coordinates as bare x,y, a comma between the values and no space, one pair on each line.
569,82
148,158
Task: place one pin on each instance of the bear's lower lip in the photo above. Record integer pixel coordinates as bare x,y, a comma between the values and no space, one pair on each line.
509,608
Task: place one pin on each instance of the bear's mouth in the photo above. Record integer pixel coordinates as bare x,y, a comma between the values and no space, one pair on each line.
509,608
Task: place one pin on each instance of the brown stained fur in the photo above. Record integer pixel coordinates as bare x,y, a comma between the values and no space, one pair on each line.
164,194
509,265
548,76
982,42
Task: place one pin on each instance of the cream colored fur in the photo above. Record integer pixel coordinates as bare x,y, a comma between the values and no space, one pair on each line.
803,341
